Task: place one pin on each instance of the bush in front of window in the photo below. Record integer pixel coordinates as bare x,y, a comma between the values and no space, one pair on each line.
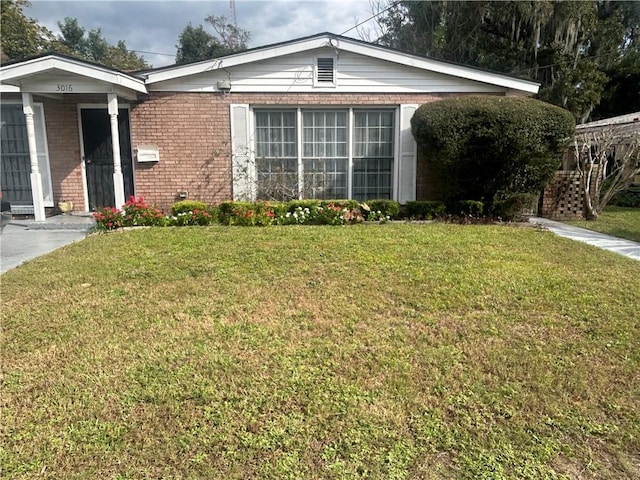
465,208
425,209
490,148
188,206
375,210
247,214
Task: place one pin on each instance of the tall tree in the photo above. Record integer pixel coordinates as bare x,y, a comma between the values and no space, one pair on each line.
20,36
91,45
195,43
567,46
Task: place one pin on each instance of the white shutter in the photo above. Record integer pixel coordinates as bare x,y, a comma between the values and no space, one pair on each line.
43,154
407,156
242,170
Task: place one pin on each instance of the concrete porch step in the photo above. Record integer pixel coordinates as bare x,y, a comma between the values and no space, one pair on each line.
77,221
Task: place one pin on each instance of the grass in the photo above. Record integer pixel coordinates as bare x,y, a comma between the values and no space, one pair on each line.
620,222
378,352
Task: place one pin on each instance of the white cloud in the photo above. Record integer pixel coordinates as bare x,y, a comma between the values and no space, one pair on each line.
154,26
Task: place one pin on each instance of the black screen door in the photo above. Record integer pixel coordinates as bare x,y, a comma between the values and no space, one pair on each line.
98,155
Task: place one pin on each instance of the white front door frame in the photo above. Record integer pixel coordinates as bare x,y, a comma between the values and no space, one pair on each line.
115,146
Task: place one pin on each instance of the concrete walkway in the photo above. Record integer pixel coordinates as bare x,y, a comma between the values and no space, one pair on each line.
24,240
628,248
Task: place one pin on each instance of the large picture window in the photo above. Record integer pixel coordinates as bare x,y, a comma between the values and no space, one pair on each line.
324,154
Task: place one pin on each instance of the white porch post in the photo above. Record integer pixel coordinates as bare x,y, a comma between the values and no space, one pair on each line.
36,177
118,178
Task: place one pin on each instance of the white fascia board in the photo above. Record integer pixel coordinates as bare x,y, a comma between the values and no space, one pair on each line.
174,72
13,74
4,88
439,67
606,122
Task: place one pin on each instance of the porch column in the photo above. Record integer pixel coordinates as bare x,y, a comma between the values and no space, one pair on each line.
118,178
36,177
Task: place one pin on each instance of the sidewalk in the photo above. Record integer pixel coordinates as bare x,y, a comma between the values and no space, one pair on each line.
24,240
628,248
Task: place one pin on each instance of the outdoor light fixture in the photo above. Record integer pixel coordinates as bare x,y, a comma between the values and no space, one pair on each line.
224,86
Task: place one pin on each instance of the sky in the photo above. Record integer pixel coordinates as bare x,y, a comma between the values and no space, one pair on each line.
152,27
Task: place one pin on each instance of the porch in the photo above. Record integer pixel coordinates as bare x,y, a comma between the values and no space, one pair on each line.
66,135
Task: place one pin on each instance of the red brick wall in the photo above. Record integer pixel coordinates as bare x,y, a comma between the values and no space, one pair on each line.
193,134
61,119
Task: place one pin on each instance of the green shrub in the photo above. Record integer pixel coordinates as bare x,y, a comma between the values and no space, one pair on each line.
293,205
467,208
482,147
195,217
246,213
382,207
627,198
515,207
184,206
342,203
425,209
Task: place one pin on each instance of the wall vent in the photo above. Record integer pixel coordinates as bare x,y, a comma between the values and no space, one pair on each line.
325,71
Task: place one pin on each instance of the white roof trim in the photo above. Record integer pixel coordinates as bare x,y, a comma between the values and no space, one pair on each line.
341,43
9,89
13,74
605,122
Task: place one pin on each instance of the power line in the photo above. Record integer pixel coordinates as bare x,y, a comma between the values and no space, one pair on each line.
154,53
372,17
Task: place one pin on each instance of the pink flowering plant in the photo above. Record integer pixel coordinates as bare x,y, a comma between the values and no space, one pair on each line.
136,212
259,214
108,218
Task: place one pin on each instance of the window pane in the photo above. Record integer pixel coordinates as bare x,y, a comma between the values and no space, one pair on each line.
373,155
275,134
325,178
325,134
277,179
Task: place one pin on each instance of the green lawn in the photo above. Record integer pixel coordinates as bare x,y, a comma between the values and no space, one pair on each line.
618,221
374,352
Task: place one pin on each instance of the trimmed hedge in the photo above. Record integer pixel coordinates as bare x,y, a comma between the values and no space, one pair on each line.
387,208
490,148
185,206
425,209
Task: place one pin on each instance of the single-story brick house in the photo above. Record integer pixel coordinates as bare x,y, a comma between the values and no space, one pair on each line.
331,110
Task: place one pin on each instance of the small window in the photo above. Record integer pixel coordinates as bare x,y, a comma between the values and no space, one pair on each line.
325,72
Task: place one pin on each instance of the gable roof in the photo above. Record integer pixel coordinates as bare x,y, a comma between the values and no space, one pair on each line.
339,43
13,73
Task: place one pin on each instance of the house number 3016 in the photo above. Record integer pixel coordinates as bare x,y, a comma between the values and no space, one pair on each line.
64,87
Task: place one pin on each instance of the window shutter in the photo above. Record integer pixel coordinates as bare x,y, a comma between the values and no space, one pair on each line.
325,70
408,156
242,170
